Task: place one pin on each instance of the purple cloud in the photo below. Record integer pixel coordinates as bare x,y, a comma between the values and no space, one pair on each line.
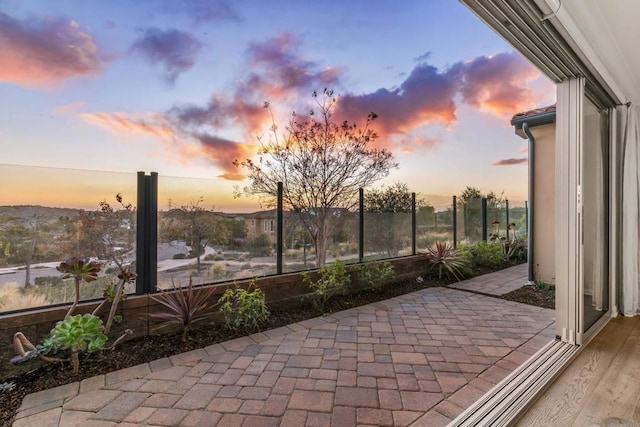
281,69
511,162
200,11
174,50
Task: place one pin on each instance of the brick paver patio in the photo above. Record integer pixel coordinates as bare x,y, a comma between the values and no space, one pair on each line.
418,359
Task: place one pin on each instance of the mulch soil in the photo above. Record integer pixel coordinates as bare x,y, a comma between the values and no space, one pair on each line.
145,349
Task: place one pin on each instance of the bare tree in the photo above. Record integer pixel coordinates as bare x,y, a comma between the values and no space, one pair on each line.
322,165
196,226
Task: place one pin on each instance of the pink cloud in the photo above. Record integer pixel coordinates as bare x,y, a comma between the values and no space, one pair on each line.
511,162
42,52
498,84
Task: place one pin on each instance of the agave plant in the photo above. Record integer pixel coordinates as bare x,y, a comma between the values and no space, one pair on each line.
184,306
82,270
446,258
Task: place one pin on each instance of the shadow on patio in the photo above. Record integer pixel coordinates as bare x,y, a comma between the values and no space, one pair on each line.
419,359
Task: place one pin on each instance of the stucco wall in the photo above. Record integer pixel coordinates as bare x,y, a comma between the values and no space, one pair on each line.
544,203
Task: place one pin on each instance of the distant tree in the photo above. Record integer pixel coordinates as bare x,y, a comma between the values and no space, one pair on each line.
107,233
321,164
472,211
237,231
196,226
20,243
387,224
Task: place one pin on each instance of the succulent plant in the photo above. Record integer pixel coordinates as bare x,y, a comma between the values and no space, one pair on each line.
81,269
76,333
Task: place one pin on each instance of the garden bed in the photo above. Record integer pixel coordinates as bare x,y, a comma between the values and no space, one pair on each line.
147,348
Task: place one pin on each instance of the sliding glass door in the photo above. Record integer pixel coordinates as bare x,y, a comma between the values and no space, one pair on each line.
595,214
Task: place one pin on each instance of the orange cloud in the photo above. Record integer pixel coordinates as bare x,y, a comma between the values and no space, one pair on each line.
42,52
126,124
71,108
179,145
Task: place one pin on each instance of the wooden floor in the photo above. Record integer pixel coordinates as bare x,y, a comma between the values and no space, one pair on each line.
602,385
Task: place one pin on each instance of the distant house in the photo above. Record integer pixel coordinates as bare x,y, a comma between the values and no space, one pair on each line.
262,222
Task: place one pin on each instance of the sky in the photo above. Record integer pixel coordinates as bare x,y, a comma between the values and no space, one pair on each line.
178,87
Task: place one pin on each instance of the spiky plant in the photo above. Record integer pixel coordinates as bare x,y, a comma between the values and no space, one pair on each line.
447,259
82,270
184,306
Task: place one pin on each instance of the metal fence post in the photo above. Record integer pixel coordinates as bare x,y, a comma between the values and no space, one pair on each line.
455,223
140,234
279,230
507,217
414,228
361,226
147,233
484,219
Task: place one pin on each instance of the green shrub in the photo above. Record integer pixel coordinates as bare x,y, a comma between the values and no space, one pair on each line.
48,281
484,254
219,272
179,256
244,309
374,274
332,280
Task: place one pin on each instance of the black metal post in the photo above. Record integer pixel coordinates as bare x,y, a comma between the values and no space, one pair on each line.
455,223
484,219
507,216
152,232
279,230
147,233
140,233
414,228
361,226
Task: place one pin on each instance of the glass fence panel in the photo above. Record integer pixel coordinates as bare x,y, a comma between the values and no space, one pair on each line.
207,236
343,241
518,216
472,220
48,215
299,251
433,226
497,224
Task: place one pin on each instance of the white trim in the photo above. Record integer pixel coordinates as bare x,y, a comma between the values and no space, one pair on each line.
571,32
569,210
507,400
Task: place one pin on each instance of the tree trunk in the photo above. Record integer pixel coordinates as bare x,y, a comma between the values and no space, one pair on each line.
199,250
321,246
27,274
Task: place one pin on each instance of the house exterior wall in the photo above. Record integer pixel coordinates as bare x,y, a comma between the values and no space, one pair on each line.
544,203
258,226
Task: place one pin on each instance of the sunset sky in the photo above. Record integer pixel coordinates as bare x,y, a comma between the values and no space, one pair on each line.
177,87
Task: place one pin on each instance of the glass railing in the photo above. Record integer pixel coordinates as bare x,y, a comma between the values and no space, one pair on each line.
48,215
203,237
203,234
